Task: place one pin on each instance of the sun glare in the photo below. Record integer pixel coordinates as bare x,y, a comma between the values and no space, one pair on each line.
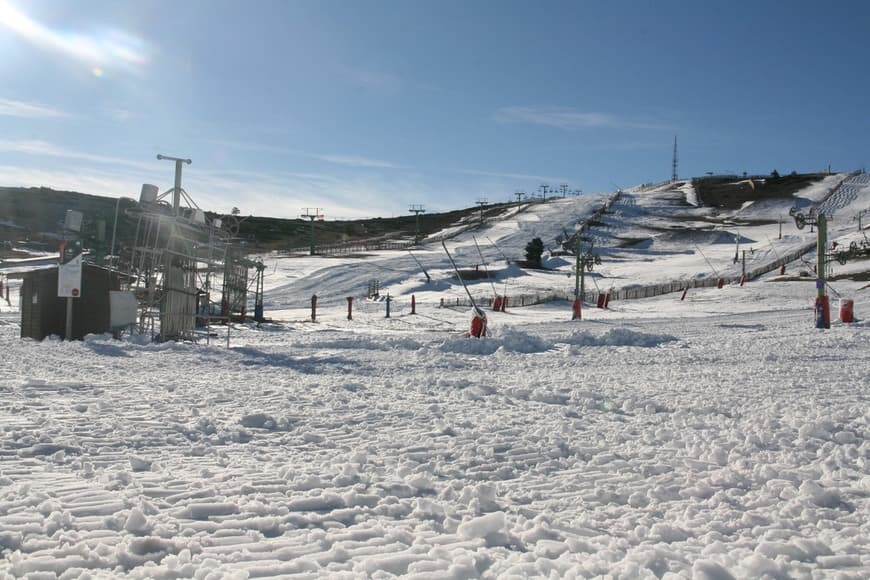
115,48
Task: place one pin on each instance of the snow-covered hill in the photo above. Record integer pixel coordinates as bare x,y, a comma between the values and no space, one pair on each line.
722,436
644,237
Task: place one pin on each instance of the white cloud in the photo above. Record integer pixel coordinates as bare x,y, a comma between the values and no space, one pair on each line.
11,108
43,148
259,193
338,159
357,161
565,118
342,195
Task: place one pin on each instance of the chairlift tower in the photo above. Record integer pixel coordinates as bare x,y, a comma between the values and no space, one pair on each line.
822,307
584,262
860,217
482,203
416,209
312,216
814,218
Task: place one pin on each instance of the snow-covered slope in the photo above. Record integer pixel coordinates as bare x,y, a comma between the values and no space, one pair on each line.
722,436
645,237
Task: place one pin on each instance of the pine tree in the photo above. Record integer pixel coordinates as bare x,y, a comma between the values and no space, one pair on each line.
534,251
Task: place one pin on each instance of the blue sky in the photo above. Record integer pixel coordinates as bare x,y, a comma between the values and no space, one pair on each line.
363,108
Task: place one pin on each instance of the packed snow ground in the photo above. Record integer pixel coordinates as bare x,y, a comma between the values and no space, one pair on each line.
721,436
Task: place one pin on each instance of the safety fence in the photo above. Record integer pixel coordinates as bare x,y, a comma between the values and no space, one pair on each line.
356,247
651,186
345,249
636,292
375,244
838,196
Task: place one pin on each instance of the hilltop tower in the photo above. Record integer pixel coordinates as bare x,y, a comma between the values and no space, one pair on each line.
674,163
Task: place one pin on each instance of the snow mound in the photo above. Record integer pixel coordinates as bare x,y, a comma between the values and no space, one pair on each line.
620,337
512,342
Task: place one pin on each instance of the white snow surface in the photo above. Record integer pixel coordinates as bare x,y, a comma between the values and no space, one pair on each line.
722,436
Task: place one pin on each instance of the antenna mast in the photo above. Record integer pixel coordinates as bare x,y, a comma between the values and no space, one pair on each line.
176,190
674,164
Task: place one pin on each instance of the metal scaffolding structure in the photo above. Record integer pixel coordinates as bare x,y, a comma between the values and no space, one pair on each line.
183,267
176,263
235,287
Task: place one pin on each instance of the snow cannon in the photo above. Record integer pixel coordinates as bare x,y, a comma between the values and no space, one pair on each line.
478,323
846,310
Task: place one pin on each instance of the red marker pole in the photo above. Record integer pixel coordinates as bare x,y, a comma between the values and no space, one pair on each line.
413,304
313,307
350,307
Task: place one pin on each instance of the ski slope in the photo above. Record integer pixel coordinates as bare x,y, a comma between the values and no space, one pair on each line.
722,436
645,237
